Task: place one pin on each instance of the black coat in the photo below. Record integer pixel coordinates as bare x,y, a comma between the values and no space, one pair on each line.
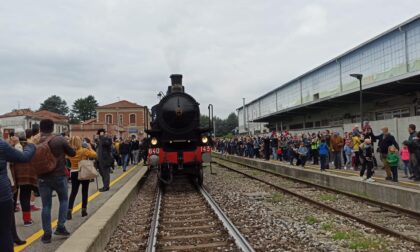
124,148
416,148
385,141
104,151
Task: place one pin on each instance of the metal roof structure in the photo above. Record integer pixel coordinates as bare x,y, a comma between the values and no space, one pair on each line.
395,28
389,58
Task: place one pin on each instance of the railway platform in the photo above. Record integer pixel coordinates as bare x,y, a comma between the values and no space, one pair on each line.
33,234
405,193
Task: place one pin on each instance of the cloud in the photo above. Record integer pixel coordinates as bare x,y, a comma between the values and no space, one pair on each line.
312,20
127,49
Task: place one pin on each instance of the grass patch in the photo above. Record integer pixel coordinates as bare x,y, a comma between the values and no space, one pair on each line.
357,240
328,197
341,235
361,243
255,173
310,219
276,197
327,226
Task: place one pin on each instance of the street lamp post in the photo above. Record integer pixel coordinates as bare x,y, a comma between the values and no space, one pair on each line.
243,101
359,77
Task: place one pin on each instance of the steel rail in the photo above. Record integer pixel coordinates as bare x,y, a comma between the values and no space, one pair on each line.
153,232
329,208
386,206
240,240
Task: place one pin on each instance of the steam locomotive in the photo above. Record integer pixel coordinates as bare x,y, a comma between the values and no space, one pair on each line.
177,143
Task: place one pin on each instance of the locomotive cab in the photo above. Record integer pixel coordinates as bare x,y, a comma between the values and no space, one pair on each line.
177,142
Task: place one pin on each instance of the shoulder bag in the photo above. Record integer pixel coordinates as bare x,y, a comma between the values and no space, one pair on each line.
87,170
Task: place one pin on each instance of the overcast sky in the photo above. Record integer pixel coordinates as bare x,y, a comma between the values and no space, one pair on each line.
225,49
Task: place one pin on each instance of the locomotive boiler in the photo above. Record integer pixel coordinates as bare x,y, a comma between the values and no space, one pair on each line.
177,143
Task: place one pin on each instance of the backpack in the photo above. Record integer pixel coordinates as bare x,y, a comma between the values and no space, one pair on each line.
44,160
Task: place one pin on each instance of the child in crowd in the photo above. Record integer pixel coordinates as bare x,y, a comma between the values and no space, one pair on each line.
393,161
348,151
405,157
279,153
302,154
323,154
367,157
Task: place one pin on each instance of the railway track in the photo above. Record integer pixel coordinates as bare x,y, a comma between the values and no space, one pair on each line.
186,218
388,219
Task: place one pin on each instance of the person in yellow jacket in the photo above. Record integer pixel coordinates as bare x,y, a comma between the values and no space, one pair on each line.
82,153
356,149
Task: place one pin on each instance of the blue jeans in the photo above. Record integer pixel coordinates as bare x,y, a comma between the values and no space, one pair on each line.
274,151
124,160
406,167
46,187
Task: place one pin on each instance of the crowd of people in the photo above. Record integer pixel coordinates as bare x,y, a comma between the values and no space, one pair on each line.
354,150
24,153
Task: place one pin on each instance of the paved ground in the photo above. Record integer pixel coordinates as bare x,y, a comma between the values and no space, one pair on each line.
33,233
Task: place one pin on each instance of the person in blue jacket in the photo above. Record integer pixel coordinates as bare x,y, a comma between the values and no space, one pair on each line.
9,154
323,154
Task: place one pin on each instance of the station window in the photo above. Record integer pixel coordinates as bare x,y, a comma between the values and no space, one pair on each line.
318,124
309,125
397,113
296,126
121,120
418,111
108,119
132,118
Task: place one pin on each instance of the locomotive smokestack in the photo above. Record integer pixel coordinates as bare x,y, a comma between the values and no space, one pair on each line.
176,79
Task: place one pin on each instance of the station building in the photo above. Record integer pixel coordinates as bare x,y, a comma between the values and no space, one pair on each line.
120,119
327,97
21,119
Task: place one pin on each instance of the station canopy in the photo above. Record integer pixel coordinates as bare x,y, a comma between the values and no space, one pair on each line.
406,86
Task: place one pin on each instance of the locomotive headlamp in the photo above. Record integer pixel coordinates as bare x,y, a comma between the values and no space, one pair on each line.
154,141
204,139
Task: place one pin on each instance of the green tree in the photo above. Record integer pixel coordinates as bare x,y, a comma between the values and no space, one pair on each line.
84,108
204,121
224,127
55,104
231,122
73,119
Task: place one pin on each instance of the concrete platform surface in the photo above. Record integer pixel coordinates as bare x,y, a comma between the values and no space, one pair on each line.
404,193
94,234
32,234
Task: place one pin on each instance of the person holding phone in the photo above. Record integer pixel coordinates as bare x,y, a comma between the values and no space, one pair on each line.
105,159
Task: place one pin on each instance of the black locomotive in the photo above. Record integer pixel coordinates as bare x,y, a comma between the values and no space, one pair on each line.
177,142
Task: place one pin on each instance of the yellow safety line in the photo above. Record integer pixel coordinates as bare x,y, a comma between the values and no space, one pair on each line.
314,167
31,239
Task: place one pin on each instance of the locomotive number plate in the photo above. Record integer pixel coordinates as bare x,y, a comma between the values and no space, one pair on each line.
205,149
154,151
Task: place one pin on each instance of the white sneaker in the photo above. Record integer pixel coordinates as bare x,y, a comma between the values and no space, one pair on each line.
370,180
362,178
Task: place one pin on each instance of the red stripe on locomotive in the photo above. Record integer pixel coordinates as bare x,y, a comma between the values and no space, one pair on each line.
187,156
